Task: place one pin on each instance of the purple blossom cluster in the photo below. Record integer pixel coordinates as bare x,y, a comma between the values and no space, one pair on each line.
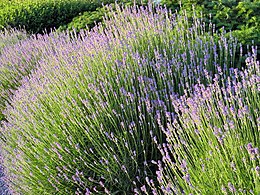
143,105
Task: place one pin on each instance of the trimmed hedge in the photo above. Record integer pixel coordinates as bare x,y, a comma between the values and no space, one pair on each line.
39,15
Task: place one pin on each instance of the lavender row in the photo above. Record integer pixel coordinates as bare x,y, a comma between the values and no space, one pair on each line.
19,56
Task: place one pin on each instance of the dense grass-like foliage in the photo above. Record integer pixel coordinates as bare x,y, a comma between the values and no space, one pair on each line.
91,117
242,17
39,15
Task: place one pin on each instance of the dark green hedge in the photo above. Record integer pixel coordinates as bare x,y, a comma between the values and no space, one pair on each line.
37,15
86,20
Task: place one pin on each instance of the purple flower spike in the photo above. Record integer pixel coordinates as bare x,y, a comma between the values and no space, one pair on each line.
231,187
187,178
257,169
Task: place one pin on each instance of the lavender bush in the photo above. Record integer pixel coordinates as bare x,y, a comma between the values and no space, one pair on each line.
90,117
213,145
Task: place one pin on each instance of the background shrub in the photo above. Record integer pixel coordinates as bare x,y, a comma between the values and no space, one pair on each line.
87,20
38,15
242,17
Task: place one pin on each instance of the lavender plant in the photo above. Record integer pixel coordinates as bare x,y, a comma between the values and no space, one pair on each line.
86,120
19,58
213,145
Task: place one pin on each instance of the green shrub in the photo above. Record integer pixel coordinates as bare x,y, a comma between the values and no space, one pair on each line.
86,20
38,15
243,17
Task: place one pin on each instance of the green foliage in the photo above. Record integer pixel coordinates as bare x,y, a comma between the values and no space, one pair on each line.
86,20
243,17
38,15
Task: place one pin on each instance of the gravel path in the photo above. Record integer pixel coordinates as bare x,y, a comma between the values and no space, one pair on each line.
3,188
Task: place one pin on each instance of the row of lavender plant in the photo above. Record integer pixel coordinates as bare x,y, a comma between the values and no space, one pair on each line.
19,56
87,119
7,38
